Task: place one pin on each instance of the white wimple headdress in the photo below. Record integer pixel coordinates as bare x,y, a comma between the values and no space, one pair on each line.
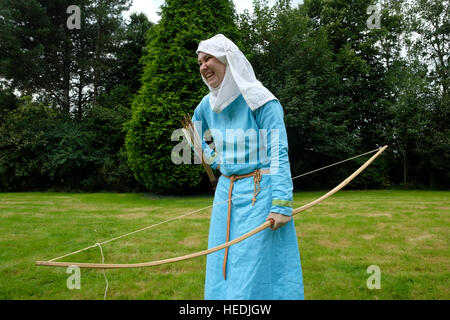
239,76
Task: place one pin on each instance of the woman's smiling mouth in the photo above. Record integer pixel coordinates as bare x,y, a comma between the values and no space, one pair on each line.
212,79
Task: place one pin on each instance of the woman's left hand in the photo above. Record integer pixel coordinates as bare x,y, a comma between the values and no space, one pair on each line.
278,219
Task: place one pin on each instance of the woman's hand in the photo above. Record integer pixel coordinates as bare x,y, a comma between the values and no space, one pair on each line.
279,220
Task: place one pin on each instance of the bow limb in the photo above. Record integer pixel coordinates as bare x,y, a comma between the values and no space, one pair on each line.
341,185
261,227
159,262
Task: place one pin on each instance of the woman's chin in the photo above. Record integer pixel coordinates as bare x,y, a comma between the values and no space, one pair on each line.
213,84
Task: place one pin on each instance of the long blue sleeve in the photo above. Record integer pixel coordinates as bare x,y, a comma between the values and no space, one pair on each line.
270,117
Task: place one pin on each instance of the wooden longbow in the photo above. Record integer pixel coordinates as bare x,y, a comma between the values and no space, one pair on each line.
261,227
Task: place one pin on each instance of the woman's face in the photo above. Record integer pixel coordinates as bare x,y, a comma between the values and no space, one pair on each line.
211,68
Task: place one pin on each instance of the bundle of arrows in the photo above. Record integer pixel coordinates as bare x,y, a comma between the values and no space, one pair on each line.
193,138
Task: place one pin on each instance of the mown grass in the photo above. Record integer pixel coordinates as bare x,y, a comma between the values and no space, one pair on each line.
404,233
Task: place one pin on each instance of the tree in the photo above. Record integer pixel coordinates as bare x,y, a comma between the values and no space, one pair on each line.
28,30
43,57
408,109
8,102
430,25
316,75
122,79
427,43
23,145
363,56
172,87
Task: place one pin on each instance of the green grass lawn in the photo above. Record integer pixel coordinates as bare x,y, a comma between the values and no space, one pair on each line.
404,233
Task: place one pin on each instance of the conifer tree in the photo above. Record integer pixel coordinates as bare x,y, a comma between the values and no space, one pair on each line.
171,88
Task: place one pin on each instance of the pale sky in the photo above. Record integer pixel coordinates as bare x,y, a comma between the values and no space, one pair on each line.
150,7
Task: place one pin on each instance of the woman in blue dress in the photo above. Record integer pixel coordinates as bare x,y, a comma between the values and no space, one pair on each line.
250,149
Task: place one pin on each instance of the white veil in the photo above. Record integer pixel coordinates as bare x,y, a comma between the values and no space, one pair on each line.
239,76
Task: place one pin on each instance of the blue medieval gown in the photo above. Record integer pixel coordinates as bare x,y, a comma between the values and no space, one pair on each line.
266,265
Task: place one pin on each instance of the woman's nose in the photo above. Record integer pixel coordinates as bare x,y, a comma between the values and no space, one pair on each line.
203,67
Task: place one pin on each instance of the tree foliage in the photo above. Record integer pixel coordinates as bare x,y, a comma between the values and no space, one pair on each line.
43,57
95,108
40,150
82,150
171,88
